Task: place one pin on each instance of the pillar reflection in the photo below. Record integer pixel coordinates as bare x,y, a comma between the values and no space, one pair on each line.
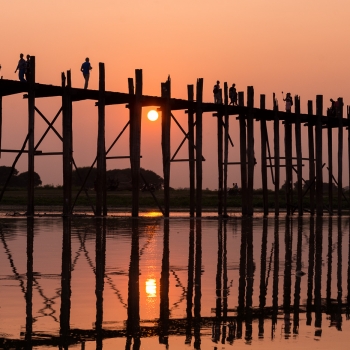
133,321
66,274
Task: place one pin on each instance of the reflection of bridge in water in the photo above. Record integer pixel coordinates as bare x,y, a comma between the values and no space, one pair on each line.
227,323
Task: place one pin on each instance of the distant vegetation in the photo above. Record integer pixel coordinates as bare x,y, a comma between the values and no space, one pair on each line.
17,179
117,179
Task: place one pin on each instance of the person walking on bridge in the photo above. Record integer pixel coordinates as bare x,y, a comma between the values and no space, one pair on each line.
21,68
217,93
85,68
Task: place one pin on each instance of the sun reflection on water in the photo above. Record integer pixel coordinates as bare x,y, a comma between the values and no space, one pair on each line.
151,288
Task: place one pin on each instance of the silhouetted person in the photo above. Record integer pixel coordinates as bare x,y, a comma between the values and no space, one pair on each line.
21,68
85,68
27,73
217,93
232,94
289,102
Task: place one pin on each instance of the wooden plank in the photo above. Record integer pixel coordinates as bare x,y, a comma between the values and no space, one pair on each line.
276,145
31,112
243,154
311,160
101,148
166,122
318,141
298,149
340,154
263,137
250,150
199,147
191,163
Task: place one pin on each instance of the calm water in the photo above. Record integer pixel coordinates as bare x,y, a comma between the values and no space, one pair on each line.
153,283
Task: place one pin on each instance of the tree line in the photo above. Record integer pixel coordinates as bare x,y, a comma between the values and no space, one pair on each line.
117,179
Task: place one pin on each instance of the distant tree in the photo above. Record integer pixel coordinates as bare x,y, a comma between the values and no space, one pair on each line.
21,180
117,179
77,180
5,172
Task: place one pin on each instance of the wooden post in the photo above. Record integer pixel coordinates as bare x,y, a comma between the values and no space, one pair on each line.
340,154
101,147
219,117
67,144
243,154
226,137
330,166
190,94
199,147
135,139
0,123
263,133
310,130
276,141
166,118
288,155
318,137
348,116
299,155
250,149
31,150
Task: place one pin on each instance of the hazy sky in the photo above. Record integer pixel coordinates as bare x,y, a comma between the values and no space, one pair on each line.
301,46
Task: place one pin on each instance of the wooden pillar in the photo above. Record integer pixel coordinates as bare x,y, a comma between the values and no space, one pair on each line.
250,149
340,154
226,137
263,133
190,94
166,119
288,156
298,149
276,142
318,141
330,166
31,112
67,144
243,153
348,117
101,148
0,124
199,147
310,130
135,139
219,117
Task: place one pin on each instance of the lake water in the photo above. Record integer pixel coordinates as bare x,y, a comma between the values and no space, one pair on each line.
154,283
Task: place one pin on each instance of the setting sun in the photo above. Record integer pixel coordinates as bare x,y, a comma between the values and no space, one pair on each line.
152,115
151,288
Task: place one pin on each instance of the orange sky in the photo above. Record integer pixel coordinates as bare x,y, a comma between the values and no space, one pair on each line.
275,45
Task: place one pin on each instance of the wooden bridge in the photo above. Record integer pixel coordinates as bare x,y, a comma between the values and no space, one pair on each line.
195,108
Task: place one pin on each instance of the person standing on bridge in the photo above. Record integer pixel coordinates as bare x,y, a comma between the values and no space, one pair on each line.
21,68
217,93
289,102
85,68
232,94
27,68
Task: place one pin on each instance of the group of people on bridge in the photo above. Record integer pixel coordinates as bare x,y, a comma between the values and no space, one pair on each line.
232,94
23,68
